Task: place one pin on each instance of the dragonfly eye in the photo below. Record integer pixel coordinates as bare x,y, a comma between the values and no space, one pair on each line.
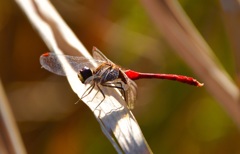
84,73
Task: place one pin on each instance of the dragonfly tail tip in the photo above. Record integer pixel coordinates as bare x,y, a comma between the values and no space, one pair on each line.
200,84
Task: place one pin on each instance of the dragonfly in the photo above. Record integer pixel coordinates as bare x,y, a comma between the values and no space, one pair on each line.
106,74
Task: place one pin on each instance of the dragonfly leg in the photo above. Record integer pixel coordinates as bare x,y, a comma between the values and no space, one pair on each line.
99,89
118,85
89,90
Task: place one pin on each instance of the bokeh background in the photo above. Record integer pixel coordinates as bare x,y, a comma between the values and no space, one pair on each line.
175,118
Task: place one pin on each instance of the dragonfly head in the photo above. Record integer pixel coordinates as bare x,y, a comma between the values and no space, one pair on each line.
84,73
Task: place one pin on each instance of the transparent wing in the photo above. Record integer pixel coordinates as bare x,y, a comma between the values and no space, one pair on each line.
50,62
131,92
98,55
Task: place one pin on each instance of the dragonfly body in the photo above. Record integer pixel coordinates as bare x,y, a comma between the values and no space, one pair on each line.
106,74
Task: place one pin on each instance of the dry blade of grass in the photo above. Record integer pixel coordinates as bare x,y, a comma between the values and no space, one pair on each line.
231,15
10,139
176,27
115,119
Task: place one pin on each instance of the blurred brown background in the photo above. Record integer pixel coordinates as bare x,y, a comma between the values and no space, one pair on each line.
175,118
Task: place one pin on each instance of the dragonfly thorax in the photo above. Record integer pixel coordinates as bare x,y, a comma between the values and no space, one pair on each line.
110,74
106,72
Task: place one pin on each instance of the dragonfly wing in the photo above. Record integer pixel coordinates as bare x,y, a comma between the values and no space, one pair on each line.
50,61
98,55
131,92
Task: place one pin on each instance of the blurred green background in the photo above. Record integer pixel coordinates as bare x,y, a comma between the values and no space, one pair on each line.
175,118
